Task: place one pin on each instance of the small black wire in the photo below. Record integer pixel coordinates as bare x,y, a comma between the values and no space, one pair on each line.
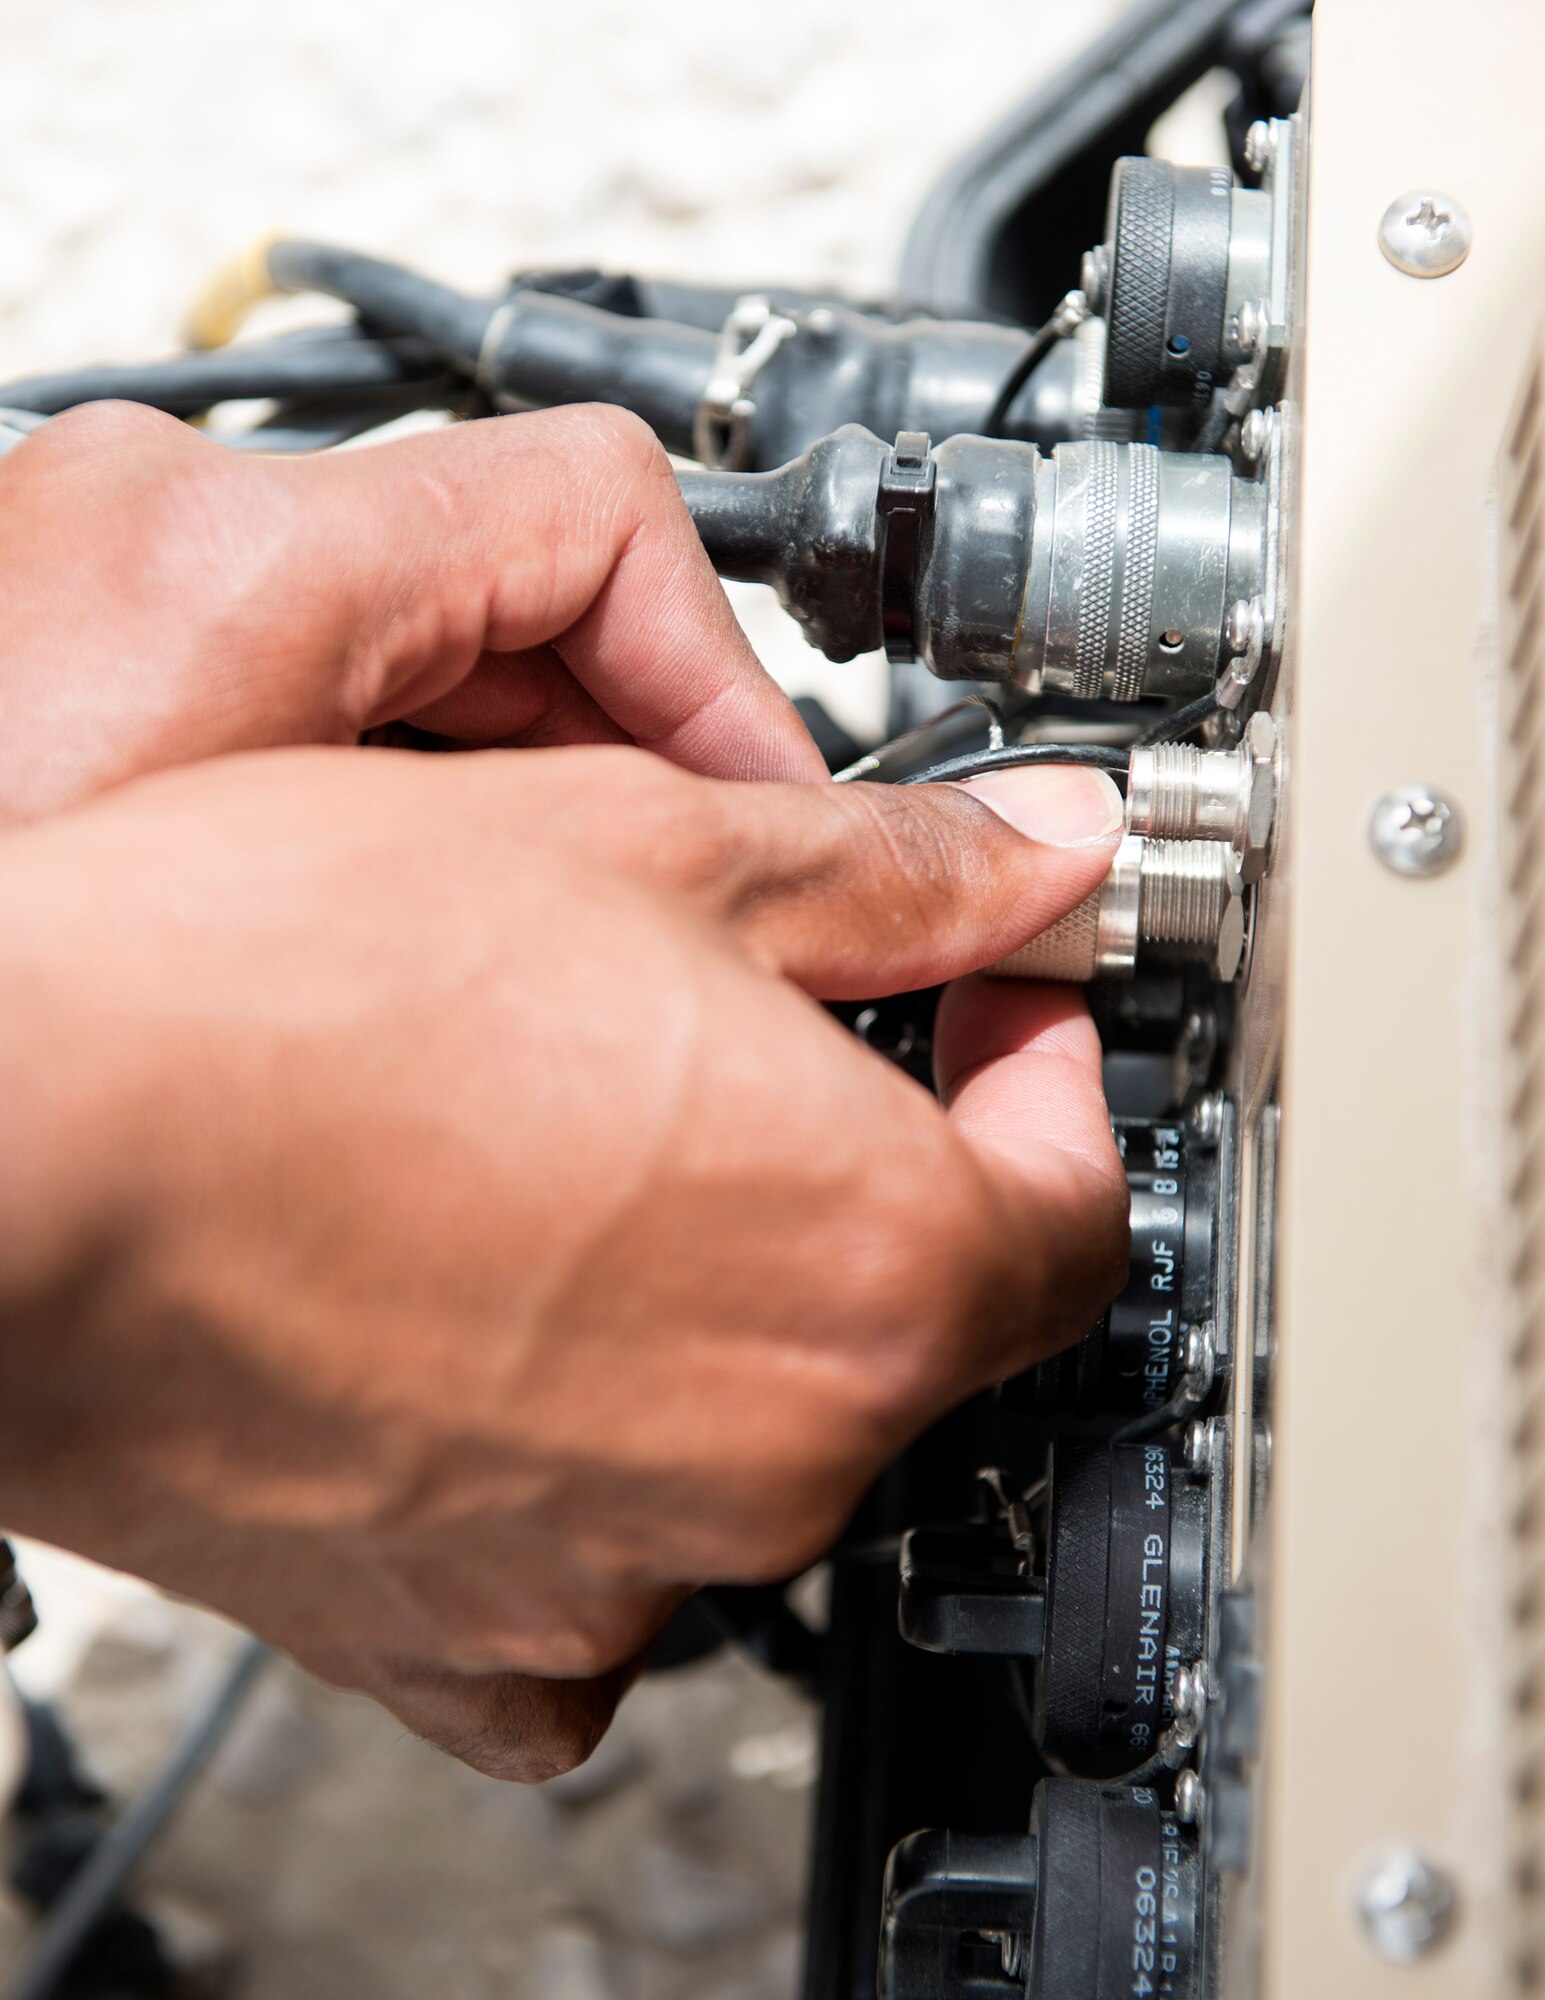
1182,721
1041,344
977,763
1211,435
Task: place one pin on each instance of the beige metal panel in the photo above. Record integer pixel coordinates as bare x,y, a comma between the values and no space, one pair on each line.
1385,1578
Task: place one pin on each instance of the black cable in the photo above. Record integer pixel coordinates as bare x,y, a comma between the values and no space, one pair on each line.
1215,428
95,1887
536,348
1041,344
977,763
325,361
392,298
1183,720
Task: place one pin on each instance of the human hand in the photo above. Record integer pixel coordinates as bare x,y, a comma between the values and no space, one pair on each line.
520,581
438,1228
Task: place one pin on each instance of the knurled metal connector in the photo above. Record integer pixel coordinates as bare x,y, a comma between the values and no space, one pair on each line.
1185,898
1177,792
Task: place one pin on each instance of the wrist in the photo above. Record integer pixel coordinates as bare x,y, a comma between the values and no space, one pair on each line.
72,1129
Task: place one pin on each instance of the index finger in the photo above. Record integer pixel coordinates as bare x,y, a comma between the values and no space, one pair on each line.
1018,1069
562,529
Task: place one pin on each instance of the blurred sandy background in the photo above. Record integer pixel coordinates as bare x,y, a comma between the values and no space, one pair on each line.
327,1857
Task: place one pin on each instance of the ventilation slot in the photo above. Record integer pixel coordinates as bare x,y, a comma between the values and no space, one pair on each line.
1523,797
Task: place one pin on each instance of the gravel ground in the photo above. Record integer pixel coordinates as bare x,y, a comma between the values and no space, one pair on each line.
329,1857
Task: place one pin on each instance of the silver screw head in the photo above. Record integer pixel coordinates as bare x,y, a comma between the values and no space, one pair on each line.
1188,1699
1198,1447
1416,830
1244,631
1253,435
1426,234
1259,146
1094,276
1190,1798
1254,329
1406,1905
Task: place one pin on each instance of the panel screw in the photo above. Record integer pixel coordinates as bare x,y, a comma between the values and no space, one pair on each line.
1407,1906
1254,329
1190,1798
1254,433
1259,146
1094,277
1188,1699
1198,1447
1416,830
1426,235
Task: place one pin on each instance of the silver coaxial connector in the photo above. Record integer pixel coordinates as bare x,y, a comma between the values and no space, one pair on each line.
1177,792
1181,898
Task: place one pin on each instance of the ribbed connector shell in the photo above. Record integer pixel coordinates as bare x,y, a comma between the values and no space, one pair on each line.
1185,891
1175,792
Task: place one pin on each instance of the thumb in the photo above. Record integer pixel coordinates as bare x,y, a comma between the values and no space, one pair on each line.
853,891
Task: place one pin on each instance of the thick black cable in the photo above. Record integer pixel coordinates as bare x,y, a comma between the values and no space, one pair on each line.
392,298
532,349
324,362
547,351
96,1885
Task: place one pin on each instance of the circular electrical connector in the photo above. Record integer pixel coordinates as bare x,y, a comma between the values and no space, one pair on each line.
1168,286
1134,1360
1102,1898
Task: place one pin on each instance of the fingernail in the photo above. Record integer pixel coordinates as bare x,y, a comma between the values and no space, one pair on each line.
1060,805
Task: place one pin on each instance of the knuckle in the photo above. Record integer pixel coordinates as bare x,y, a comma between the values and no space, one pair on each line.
107,427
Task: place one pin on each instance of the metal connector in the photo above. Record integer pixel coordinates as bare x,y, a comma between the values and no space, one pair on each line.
1177,792
1183,897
